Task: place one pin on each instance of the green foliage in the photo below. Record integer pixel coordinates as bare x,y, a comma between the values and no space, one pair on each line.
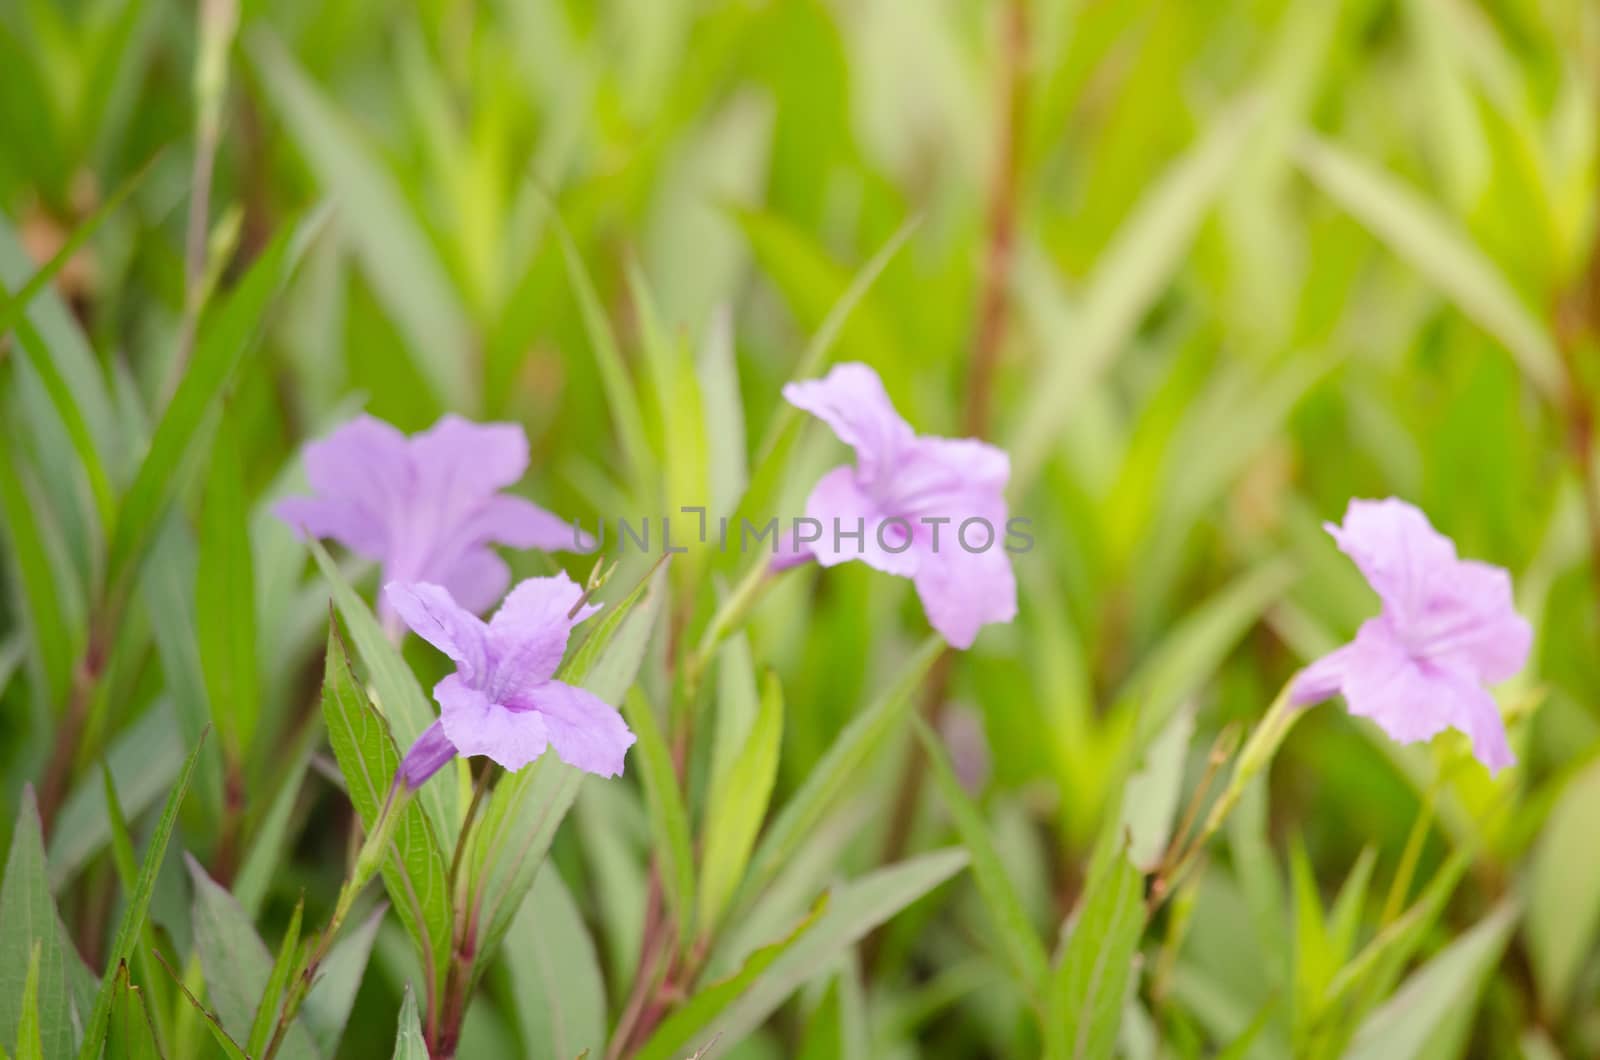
1225,265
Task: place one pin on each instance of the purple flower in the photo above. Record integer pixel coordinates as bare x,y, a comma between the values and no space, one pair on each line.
502,700
929,509
1447,629
426,507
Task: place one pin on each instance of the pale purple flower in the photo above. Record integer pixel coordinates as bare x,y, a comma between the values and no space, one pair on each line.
930,509
1446,630
503,701
427,507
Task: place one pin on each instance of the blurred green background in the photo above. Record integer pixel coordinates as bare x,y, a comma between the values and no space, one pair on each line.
1234,262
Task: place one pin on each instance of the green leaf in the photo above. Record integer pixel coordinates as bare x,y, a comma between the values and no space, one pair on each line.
1096,964
736,805
557,991
237,964
394,251
1019,945
1129,276
521,816
226,332
400,698
725,1014
728,470
30,1045
415,873
132,922
225,1042
30,569
132,1035
839,770
225,604
266,849
29,925
621,396
121,842
327,1007
1427,240
272,997
669,819
1564,891
1438,1002
143,761
1150,798
408,1041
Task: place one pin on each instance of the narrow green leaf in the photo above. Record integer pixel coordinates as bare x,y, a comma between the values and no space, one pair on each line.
1564,899
53,644
620,393
725,1014
327,1007
266,849
230,1048
1018,943
227,331
408,1041
400,698
1427,240
839,770
1438,1002
557,991
28,925
1129,276
132,922
1096,963
728,470
736,805
1150,798
394,251
225,603
415,873
121,842
669,819
272,997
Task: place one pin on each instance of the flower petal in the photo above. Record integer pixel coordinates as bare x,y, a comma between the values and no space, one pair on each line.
431,752
519,523
1323,678
528,635
458,458
852,401
478,726
477,579
951,477
841,507
1471,624
584,730
344,522
1402,555
963,591
435,617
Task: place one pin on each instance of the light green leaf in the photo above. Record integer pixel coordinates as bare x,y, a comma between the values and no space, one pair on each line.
1564,898
1437,1002
1097,962
1018,943
557,991
725,1014
132,1035
31,932
132,922
408,1041
394,252
736,805
415,873
1131,273
1150,799
225,608
227,331
327,1007
283,966
840,769
718,368
29,1044
54,645
669,819
1421,235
